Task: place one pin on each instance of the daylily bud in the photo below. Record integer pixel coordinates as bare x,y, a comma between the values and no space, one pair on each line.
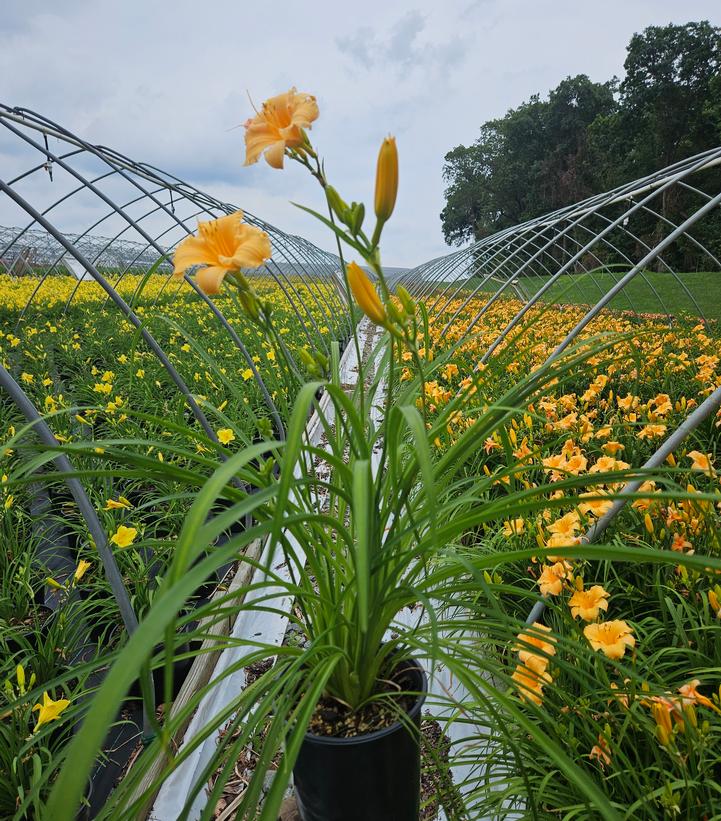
406,300
690,713
386,179
714,602
339,207
648,522
394,314
663,723
366,294
358,213
306,357
250,304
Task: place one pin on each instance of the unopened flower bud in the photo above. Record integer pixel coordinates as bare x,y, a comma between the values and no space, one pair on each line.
358,212
366,295
386,179
339,207
406,300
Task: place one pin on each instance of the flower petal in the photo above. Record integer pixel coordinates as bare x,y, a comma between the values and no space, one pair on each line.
210,279
275,153
192,251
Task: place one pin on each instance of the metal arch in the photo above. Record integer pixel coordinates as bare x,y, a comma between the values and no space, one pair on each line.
619,286
178,192
123,164
574,219
120,303
669,239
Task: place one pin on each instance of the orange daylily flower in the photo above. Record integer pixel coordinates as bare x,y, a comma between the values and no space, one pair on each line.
222,245
279,125
611,637
588,603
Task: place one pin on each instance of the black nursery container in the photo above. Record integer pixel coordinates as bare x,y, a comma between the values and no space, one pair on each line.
372,777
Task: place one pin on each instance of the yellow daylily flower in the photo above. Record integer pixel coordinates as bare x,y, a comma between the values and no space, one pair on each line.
121,504
226,436
124,536
81,569
49,710
587,604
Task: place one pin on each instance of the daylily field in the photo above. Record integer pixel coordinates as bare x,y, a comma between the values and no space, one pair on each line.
623,671
93,377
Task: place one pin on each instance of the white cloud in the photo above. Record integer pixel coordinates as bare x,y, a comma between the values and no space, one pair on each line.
166,82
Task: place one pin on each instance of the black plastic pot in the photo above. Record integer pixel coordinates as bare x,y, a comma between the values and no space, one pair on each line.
372,777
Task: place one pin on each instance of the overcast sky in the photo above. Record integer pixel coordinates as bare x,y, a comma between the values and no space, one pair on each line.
167,83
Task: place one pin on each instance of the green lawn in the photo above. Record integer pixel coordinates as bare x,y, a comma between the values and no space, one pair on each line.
703,287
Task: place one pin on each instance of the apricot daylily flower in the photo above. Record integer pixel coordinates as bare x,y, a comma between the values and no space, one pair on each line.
530,679
607,464
222,245
588,603
690,694
651,431
536,637
600,752
278,125
700,461
365,293
567,525
612,448
49,710
551,579
513,527
644,504
611,637
594,506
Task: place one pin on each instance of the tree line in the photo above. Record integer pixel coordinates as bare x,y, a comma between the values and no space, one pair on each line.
587,137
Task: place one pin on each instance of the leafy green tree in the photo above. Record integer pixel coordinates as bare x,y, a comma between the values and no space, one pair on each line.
588,137
532,160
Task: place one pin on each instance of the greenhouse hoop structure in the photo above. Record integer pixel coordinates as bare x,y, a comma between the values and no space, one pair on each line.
87,237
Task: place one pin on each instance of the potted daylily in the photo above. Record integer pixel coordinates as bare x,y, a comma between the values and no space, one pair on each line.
367,527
